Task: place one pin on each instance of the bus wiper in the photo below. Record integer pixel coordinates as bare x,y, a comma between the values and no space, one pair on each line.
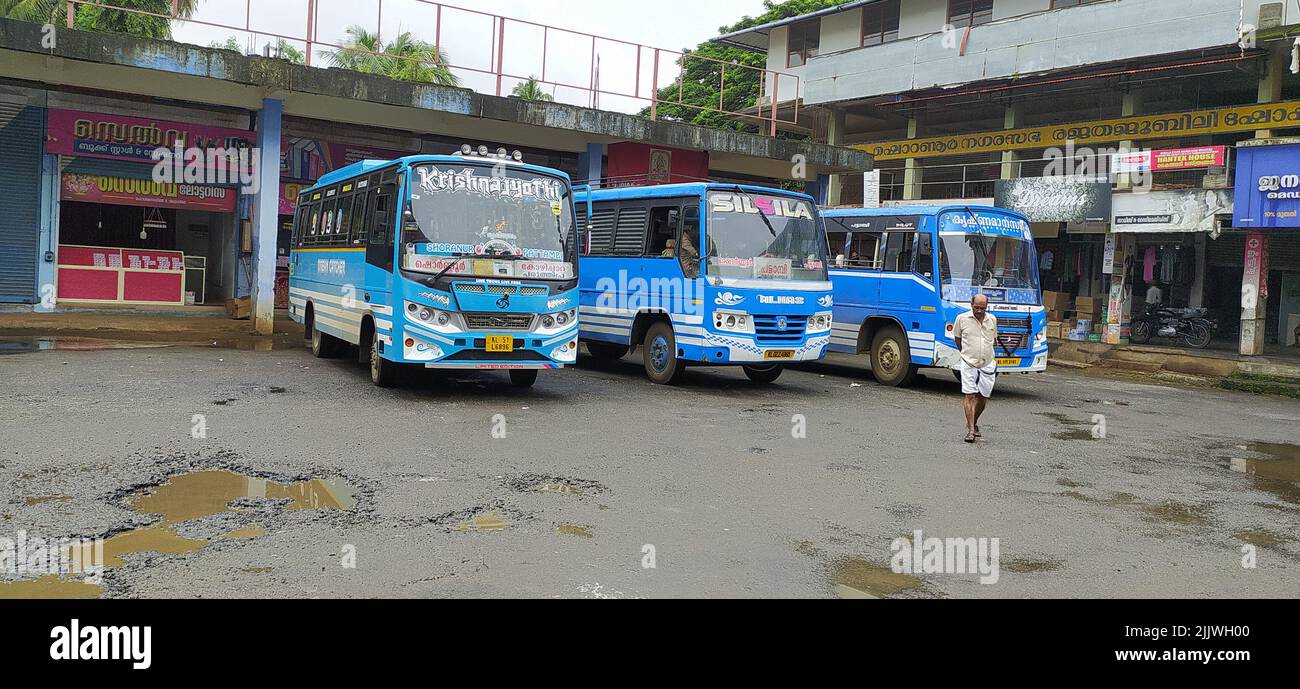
760,211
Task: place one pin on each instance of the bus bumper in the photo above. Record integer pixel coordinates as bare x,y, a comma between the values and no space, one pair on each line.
716,349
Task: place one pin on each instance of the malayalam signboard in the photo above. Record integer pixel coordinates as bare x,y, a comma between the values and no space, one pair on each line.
123,191
118,137
1191,210
1169,160
1268,187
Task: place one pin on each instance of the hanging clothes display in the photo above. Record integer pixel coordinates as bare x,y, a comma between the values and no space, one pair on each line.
1149,265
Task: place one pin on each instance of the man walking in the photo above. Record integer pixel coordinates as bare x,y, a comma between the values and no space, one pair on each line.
975,333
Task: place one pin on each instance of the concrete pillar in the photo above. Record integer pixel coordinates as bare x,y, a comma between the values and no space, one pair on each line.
913,173
835,137
266,215
48,245
1132,105
1254,296
1270,84
591,165
1013,118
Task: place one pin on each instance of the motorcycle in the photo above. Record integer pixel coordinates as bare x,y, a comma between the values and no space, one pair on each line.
1191,325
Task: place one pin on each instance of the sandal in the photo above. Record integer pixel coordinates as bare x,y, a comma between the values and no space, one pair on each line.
978,432
970,437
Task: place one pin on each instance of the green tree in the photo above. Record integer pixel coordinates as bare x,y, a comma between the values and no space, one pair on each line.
405,57
101,18
284,50
531,89
700,82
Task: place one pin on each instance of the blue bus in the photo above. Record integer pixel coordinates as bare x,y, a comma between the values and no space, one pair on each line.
704,273
462,261
903,275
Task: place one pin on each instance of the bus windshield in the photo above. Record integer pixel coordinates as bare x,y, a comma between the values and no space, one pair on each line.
1002,267
475,211
764,236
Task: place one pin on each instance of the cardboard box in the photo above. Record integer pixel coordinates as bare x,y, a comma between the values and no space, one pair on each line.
1056,330
239,309
1090,305
1059,301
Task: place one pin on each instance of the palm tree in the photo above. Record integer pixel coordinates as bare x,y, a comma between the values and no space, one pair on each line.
531,90
405,58
102,18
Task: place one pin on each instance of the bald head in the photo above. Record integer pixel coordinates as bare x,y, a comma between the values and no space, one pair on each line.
979,305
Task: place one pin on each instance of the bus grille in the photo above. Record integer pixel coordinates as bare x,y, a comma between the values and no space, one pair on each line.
499,321
766,331
1017,323
1012,340
471,289
479,288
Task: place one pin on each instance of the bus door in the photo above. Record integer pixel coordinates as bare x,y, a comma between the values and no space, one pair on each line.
383,205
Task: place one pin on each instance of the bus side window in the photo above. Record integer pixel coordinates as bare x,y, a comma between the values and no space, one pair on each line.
600,231
327,222
688,251
299,225
343,225
359,225
313,230
663,228
383,218
898,252
837,249
925,255
630,232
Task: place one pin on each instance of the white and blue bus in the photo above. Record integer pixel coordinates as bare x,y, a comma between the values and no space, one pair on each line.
465,261
903,275
704,273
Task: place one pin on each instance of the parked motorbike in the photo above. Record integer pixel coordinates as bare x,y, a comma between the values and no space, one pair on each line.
1189,325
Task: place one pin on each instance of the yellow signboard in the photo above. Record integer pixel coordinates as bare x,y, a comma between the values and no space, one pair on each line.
1236,119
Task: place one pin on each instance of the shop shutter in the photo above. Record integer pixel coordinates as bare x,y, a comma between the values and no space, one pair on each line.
1228,250
22,136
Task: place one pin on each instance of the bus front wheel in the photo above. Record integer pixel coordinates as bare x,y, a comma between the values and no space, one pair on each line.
891,358
383,373
523,378
660,356
764,374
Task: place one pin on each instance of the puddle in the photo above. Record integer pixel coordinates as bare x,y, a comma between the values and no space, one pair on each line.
571,530
857,578
245,533
32,502
1261,538
559,488
24,345
1027,565
183,499
1279,474
1179,513
490,521
1076,429
52,587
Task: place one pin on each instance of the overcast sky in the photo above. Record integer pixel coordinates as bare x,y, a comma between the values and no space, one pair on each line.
468,38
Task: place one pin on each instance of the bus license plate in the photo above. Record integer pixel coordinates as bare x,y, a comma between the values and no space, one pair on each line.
500,343
779,354
1008,363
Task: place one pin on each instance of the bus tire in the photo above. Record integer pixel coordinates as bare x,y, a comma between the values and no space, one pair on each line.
523,378
323,345
891,358
606,351
660,356
764,374
383,373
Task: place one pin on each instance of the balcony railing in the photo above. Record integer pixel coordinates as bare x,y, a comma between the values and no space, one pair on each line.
579,68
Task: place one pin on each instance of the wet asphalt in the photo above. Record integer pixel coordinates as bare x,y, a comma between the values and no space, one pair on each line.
599,470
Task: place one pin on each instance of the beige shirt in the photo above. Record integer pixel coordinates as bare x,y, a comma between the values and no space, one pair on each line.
976,338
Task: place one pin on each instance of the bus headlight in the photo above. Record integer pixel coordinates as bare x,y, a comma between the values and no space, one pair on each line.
559,320
733,321
819,322
425,315
1040,337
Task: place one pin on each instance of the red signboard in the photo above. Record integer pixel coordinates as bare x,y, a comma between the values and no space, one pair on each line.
1189,158
636,164
92,273
124,191
100,135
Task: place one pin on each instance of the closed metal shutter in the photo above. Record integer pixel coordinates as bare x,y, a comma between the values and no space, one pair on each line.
601,230
629,237
22,137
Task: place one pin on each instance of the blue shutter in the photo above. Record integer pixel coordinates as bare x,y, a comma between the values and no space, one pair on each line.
22,138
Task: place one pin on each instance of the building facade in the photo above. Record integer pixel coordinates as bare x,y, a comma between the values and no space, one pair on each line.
1115,125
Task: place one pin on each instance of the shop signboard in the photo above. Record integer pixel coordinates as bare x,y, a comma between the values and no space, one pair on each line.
118,137
1170,159
1055,199
124,191
1188,210
1268,187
